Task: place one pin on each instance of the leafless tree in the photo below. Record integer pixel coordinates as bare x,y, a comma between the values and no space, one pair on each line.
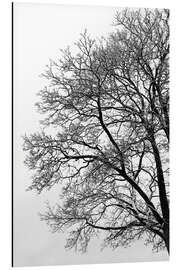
107,108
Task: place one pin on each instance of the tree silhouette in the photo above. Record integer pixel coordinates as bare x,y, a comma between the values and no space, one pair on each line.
106,135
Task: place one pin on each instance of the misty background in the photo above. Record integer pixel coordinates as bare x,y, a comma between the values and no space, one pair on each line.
40,31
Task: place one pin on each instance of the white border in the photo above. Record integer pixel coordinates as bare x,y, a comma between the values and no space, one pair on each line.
5,133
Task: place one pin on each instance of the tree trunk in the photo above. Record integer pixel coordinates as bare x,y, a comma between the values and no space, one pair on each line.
166,237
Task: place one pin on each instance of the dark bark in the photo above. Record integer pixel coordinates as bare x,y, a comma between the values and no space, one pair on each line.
166,237
161,182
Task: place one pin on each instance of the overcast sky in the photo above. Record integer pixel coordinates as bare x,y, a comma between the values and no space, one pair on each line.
40,30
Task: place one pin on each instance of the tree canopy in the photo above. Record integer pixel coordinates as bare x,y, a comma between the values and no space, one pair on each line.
106,135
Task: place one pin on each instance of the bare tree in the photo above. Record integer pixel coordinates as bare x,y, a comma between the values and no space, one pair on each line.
108,106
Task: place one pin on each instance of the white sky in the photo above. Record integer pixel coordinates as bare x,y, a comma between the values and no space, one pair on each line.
40,31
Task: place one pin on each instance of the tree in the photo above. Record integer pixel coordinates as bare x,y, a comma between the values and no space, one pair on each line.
108,108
